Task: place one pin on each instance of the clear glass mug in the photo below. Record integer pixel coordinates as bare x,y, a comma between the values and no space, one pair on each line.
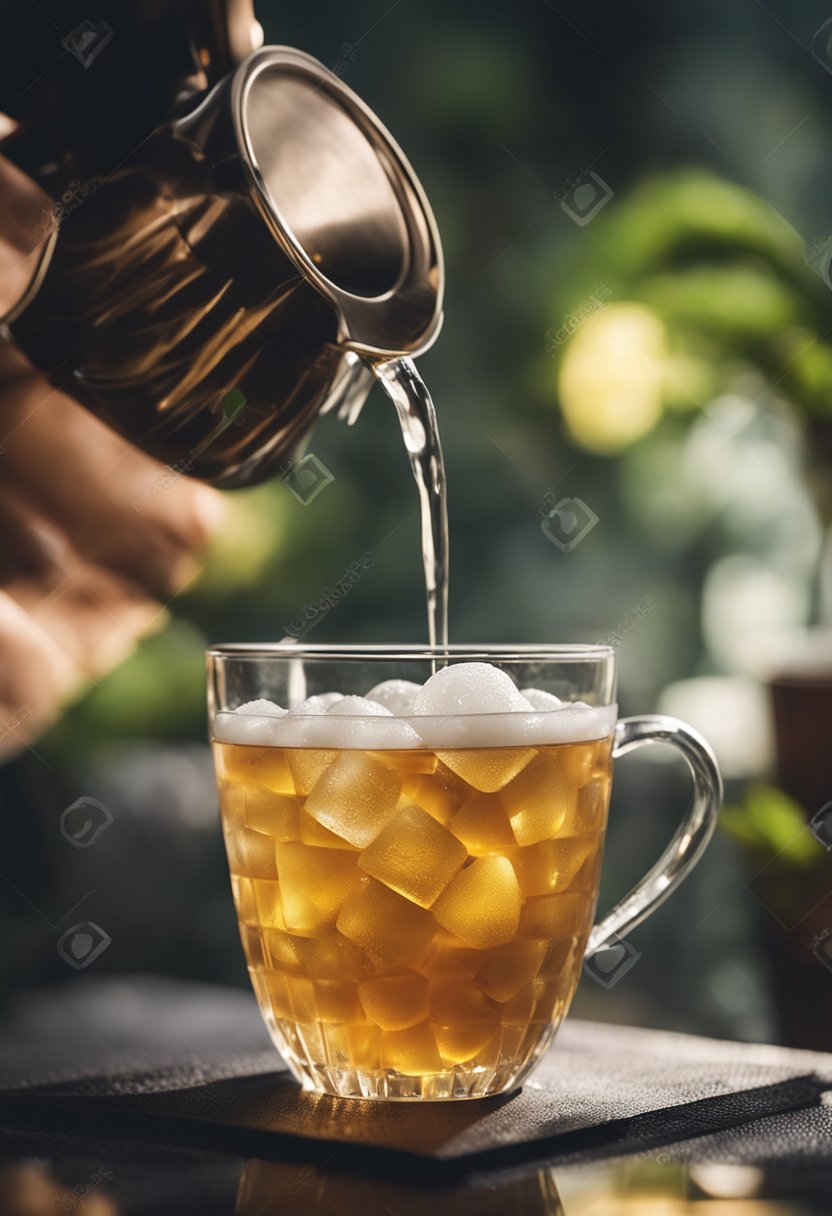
415,919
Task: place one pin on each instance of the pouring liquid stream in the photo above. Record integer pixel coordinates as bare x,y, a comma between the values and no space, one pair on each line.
417,418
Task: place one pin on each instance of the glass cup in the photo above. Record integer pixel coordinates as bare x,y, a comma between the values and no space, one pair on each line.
415,918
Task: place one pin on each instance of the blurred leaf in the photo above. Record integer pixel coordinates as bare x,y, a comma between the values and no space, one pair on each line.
771,823
693,216
739,303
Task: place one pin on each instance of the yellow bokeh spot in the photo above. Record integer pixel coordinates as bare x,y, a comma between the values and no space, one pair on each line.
612,377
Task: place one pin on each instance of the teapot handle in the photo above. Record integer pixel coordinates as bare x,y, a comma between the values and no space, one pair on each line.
222,33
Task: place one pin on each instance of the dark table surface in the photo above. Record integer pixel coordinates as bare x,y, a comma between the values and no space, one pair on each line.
153,1096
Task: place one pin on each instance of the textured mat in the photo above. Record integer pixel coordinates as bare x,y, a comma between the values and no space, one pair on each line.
187,1063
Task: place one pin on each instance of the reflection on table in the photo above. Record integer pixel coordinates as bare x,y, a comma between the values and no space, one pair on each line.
638,1187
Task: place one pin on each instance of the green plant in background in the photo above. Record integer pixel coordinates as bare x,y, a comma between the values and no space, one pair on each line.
789,868
704,280
772,827
707,293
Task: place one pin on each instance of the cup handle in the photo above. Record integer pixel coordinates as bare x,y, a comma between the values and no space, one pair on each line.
689,839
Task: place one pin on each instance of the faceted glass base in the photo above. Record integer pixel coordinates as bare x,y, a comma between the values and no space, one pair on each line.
499,1068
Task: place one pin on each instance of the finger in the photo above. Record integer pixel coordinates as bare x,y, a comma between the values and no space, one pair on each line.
33,546
117,506
35,677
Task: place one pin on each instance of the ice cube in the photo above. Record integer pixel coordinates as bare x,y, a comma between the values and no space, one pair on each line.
434,795
538,699
415,762
266,895
461,1041
283,951
275,815
447,956
482,904
354,797
487,768
519,1009
337,1001
266,765
482,825
590,813
561,961
250,854
232,803
412,1051
539,799
306,765
414,855
312,832
588,877
277,987
244,899
583,761
363,1043
552,996
396,695
547,916
252,942
302,998
395,1001
550,866
332,957
314,883
506,969
454,1000
385,924
464,1020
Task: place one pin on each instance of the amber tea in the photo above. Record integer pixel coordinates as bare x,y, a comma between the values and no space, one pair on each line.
415,868
414,919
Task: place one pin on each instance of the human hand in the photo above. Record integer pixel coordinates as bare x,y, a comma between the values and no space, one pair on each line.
97,539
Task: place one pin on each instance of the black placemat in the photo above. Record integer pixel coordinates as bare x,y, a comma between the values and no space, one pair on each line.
185,1062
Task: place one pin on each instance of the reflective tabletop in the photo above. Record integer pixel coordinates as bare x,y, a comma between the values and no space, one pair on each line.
48,1173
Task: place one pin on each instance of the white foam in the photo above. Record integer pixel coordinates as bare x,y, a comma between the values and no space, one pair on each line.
313,706
254,723
261,709
538,699
359,707
572,723
465,705
396,695
469,688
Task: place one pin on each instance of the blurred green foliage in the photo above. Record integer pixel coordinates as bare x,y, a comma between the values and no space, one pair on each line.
772,826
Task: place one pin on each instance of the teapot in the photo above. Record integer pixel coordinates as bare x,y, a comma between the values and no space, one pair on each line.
235,238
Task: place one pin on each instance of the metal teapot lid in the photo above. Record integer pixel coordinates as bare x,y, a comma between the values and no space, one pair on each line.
341,198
